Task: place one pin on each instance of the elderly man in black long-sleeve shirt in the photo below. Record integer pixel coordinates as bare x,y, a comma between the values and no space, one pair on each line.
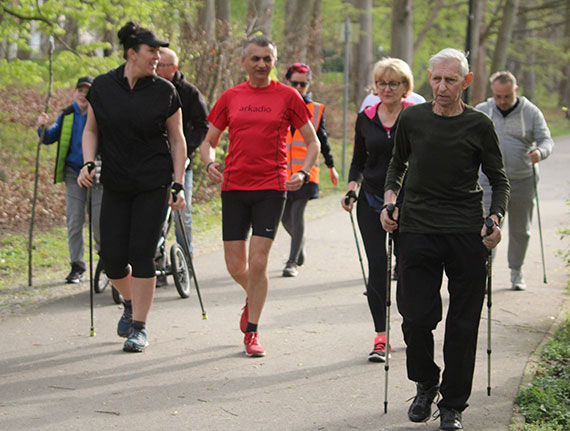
442,145
194,113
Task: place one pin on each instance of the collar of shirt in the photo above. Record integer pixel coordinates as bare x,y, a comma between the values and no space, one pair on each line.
119,75
511,109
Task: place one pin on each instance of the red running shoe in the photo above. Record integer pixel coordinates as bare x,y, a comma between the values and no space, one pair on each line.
244,317
379,352
251,345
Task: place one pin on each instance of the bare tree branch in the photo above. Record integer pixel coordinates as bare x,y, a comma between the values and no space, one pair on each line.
548,5
427,25
496,17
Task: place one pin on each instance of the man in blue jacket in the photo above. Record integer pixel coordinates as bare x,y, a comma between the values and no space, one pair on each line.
67,131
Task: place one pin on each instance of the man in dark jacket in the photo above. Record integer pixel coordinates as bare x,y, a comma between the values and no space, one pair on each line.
67,131
194,113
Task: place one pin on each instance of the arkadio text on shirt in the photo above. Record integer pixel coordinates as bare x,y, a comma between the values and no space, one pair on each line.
250,108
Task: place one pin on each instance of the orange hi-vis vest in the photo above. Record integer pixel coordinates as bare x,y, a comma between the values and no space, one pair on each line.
297,149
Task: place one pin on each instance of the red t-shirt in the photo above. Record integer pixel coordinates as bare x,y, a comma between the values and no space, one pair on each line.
258,121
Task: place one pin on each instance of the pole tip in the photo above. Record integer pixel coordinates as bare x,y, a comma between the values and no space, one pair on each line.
204,316
385,407
488,391
92,332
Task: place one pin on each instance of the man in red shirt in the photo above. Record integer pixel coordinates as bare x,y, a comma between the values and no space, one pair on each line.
254,180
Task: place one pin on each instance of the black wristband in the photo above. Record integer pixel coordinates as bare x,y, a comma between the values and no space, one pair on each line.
176,188
208,166
90,166
306,176
498,215
351,194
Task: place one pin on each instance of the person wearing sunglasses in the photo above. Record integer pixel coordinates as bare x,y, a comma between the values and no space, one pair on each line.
373,143
299,77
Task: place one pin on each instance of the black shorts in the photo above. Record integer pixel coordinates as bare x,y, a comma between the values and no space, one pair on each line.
260,209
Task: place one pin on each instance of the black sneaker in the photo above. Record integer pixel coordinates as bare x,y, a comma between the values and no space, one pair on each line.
450,419
420,410
136,342
125,323
161,281
75,275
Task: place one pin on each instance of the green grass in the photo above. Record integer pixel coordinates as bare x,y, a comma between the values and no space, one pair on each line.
557,122
49,256
545,403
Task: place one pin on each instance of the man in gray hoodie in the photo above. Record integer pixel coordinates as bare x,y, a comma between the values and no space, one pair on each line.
525,140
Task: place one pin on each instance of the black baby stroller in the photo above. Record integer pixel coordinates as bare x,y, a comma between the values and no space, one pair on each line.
177,266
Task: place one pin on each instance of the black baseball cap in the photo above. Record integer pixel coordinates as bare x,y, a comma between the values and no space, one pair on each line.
149,38
84,81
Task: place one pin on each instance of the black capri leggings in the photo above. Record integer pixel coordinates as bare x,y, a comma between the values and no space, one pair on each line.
130,229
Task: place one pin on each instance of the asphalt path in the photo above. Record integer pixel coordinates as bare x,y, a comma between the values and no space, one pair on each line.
316,329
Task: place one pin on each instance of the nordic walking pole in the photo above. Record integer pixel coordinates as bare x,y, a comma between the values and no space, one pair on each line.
390,210
187,247
37,174
489,223
90,167
539,222
352,195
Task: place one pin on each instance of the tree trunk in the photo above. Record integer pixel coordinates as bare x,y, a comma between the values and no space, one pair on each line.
524,69
71,36
314,43
259,17
223,20
297,21
363,52
504,37
478,63
402,30
206,22
564,88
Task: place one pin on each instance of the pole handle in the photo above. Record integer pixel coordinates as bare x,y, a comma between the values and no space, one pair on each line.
489,223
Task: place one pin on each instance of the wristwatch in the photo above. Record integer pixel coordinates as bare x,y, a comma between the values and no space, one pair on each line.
306,176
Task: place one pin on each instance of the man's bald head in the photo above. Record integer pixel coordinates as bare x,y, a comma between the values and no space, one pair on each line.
168,64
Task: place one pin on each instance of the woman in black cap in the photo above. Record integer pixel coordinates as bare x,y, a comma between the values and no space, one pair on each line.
135,121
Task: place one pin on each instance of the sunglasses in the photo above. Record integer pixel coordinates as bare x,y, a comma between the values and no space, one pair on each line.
299,84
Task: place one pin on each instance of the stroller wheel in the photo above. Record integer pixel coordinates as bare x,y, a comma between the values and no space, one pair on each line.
100,281
117,297
180,270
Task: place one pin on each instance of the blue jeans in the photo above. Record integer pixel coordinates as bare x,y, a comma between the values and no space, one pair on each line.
187,216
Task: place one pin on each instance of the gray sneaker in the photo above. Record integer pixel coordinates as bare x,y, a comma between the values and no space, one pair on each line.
517,280
290,270
125,322
136,342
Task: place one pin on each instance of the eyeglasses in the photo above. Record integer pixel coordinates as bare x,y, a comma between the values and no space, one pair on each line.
300,84
392,84
161,65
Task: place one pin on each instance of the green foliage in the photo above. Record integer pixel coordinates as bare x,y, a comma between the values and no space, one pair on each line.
66,68
547,399
22,73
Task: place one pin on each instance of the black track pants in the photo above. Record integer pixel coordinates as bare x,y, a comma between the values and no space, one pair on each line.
374,238
422,259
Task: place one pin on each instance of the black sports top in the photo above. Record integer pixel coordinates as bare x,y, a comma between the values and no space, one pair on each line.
132,130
